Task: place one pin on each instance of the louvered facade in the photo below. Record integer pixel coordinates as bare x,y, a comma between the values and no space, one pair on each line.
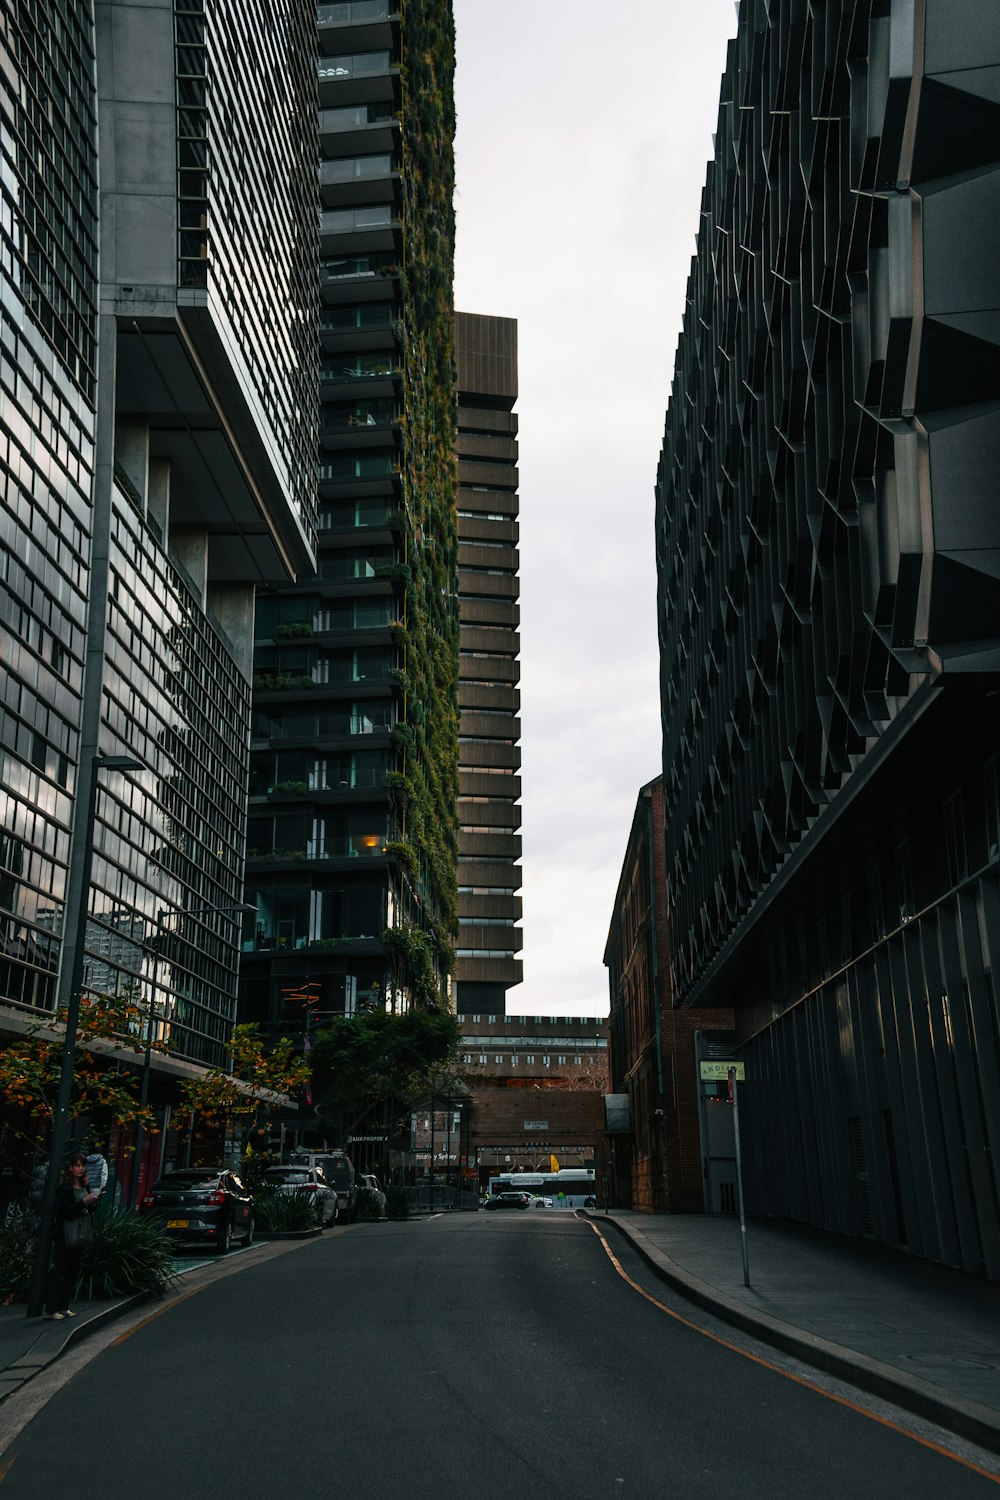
828,550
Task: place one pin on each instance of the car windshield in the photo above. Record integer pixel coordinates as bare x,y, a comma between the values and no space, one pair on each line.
288,1174
188,1180
339,1173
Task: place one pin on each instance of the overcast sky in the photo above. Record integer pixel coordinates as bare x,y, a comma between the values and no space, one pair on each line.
583,136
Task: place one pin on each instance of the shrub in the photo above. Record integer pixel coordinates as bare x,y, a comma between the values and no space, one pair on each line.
278,1212
129,1254
18,1242
397,1204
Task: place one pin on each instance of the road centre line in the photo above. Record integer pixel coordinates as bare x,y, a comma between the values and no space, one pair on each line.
788,1374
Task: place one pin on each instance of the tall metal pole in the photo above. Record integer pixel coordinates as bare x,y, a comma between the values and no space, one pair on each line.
430,1170
733,1089
60,1119
133,1187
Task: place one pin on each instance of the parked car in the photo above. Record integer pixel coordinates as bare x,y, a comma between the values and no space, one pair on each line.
338,1169
202,1204
297,1178
508,1200
538,1200
371,1192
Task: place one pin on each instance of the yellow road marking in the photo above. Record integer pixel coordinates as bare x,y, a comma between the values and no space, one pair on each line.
183,1297
810,1385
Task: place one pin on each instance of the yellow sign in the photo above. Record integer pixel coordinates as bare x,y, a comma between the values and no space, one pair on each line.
711,1071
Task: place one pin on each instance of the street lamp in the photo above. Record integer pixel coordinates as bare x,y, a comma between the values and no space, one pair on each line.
60,1119
198,911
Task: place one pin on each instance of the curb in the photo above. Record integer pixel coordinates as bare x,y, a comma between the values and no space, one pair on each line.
968,1419
34,1360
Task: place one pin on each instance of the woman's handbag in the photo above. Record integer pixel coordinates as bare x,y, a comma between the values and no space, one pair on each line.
78,1232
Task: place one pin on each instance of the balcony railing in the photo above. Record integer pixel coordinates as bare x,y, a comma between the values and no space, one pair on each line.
360,65
354,12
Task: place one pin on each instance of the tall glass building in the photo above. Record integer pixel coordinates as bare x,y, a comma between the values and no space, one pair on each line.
352,841
157,417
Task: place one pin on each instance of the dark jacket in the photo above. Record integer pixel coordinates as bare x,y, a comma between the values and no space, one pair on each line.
69,1203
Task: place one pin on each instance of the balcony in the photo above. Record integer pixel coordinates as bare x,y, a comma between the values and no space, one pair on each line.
357,78
360,25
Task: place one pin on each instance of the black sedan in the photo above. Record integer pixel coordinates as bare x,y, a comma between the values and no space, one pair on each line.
508,1200
207,1204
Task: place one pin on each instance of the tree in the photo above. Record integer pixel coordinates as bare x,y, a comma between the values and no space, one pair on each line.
380,1063
30,1064
259,1075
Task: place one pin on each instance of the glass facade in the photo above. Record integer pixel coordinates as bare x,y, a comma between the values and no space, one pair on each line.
239,66
48,355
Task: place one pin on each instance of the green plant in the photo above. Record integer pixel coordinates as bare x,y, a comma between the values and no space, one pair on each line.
299,788
129,1254
278,1212
18,1243
397,1204
254,1167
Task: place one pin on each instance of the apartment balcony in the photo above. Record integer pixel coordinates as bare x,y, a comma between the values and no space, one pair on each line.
358,78
358,130
359,26
351,231
346,182
490,845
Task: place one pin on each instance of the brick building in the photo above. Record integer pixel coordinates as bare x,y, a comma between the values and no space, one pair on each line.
660,1166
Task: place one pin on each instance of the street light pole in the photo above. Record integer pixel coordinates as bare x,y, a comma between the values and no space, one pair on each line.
60,1119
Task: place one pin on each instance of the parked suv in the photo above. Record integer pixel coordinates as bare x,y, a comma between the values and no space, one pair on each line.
298,1178
338,1169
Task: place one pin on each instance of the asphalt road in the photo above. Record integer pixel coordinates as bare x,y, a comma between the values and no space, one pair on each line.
473,1357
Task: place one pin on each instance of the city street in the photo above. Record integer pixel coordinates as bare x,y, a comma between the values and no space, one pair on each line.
469,1355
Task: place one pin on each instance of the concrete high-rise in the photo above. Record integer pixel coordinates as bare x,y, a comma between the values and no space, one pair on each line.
827,540
157,395
489,868
352,842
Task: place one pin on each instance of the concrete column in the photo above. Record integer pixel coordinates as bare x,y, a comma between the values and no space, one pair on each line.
189,544
158,499
132,455
231,604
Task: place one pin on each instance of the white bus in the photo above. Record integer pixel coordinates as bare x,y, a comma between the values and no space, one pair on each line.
573,1187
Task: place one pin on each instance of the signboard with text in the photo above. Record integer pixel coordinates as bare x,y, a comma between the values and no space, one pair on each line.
718,1072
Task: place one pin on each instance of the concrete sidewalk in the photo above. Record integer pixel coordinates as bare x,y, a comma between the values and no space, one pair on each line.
920,1335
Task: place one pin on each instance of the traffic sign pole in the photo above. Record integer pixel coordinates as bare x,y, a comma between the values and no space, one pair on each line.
735,1097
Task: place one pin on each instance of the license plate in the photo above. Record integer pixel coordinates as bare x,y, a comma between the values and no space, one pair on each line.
177,1223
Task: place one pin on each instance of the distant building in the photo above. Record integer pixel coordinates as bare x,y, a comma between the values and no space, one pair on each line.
827,539
536,1085
489,755
663,1164
558,1052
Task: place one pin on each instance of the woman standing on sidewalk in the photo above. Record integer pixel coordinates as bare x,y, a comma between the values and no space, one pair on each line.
72,1233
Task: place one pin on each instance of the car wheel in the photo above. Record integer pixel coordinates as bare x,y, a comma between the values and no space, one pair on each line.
248,1237
224,1243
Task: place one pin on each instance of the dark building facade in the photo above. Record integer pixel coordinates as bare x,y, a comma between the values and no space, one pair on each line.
659,1166
156,463
489,814
827,537
352,842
